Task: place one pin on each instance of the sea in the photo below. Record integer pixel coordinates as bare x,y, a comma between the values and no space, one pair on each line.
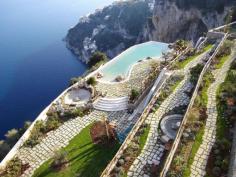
35,65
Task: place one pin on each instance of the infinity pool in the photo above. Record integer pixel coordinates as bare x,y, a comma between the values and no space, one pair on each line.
122,63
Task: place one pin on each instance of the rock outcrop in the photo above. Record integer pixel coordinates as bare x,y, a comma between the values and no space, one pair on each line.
125,23
111,29
172,21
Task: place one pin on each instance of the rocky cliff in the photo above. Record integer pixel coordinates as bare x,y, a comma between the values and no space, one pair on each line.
187,20
125,23
111,29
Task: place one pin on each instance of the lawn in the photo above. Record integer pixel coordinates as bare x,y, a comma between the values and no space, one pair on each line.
85,158
143,137
221,61
182,64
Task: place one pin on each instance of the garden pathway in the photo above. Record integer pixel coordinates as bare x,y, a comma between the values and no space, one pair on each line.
154,148
200,160
54,141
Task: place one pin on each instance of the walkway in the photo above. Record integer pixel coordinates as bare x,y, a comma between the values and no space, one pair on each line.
153,149
54,141
200,160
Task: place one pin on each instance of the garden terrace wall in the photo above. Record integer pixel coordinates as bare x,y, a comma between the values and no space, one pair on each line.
133,132
183,124
222,27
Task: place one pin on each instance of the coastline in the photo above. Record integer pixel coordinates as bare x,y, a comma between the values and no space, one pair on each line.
42,116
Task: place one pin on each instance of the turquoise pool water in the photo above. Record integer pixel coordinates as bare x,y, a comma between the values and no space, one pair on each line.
121,64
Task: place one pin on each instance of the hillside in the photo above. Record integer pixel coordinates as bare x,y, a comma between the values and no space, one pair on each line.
123,24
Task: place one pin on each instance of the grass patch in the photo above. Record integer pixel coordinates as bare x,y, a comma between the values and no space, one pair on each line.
221,61
182,64
132,151
195,147
143,137
187,150
85,158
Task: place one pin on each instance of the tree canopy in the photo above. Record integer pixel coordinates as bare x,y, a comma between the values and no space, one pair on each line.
97,57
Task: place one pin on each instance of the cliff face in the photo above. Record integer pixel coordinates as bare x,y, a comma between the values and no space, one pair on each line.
171,21
123,24
111,30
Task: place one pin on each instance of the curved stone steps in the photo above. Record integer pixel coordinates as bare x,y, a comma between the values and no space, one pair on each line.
111,104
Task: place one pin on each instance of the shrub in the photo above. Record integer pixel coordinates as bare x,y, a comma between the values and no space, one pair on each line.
74,80
91,81
35,135
59,160
14,168
96,58
195,71
78,112
51,124
134,94
225,49
233,65
39,129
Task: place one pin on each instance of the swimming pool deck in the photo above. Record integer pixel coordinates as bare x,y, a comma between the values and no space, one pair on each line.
139,72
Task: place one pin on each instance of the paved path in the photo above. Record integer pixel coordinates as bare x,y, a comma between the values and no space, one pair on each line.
200,160
54,141
153,149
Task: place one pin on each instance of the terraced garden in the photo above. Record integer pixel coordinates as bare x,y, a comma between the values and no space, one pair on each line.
84,158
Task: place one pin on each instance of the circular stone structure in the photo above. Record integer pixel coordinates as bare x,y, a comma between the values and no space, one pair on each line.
78,97
170,125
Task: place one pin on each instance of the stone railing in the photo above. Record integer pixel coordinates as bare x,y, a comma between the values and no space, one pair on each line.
133,132
183,124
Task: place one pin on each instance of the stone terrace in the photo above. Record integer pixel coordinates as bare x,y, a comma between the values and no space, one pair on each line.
200,160
139,72
154,148
59,138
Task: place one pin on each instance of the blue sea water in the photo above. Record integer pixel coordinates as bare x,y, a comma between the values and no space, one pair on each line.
35,65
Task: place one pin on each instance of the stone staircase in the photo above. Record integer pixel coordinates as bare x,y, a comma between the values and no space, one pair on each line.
111,104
